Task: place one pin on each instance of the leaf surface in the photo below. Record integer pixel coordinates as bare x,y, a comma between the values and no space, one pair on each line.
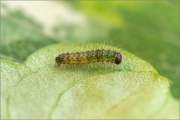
40,89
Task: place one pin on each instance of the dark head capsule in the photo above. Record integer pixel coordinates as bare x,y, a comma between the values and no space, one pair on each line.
118,58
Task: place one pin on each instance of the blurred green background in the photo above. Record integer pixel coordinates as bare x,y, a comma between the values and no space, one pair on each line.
148,29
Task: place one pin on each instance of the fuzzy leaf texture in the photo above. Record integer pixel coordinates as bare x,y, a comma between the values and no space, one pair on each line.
39,89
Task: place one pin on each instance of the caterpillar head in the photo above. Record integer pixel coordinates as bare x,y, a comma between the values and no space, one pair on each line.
118,58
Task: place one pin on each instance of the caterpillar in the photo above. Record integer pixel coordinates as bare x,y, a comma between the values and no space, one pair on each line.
89,57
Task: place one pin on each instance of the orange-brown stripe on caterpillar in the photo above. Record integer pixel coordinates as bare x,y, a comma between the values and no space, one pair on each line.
89,57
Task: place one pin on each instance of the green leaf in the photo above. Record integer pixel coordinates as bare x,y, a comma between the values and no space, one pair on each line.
40,89
148,29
